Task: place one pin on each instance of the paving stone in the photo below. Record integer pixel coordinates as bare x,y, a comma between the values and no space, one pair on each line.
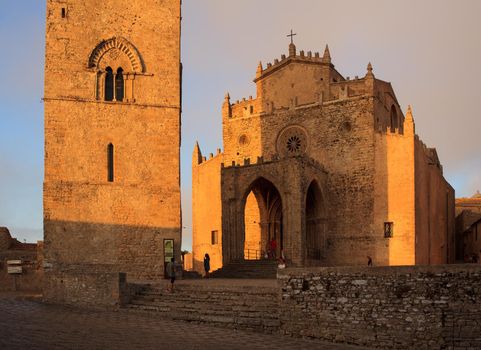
32,325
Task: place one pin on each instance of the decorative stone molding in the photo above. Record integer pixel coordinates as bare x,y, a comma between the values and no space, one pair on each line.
115,46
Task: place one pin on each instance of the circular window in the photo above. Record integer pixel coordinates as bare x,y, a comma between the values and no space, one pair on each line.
294,144
292,141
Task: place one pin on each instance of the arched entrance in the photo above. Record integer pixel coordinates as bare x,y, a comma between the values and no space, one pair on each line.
315,222
262,220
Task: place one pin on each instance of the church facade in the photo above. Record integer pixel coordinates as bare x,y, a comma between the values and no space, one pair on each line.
329,167
112,138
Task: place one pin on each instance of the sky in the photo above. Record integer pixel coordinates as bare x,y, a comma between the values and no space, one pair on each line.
430,51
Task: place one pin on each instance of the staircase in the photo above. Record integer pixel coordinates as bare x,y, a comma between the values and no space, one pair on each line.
251,269
232,304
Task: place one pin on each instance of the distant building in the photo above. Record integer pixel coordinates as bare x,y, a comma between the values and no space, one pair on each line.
329,167
468,239
27,256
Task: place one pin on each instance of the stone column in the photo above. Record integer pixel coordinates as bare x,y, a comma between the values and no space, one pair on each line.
115,87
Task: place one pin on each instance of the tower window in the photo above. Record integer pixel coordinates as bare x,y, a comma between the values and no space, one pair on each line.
109,84
252,109
388,229
63,12
214,237
394,119
119,85
110,162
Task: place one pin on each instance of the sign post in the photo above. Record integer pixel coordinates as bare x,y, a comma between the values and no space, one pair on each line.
14,267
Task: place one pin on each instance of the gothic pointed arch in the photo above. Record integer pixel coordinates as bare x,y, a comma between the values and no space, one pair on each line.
122,45
262,214
315,221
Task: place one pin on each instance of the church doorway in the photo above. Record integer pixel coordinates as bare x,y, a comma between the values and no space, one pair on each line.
315,222
262,221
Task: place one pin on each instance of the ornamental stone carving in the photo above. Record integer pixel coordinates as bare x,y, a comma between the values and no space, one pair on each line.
292,141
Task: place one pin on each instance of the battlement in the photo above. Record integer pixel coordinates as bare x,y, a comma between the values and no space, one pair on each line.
198,158
311,80
249,162
306,58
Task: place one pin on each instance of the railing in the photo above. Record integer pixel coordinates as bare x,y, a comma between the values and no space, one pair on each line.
252,254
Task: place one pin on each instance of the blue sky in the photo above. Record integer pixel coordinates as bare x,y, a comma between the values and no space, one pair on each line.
430,51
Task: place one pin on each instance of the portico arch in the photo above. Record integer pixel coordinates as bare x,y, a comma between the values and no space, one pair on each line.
262,214
315,221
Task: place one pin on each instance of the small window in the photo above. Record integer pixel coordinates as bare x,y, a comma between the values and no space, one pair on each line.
119,85
110,162
63,12
214,237
109,84
252,109
388,229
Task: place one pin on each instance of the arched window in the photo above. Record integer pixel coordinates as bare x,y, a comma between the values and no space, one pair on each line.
110,163
109,84
119,85
394,120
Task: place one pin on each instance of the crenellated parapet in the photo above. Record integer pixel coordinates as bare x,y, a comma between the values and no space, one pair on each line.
199,159
310,80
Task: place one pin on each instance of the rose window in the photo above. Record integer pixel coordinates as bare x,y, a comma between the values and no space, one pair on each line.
292,141
294,144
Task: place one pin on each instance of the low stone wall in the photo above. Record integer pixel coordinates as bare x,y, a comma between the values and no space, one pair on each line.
85,285
420,307
30,280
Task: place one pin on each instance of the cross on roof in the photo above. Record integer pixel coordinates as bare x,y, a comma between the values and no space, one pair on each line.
292,36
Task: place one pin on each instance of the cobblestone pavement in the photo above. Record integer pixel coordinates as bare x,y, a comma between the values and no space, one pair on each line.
32,325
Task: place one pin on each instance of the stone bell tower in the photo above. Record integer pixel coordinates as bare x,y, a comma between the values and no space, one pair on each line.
112,136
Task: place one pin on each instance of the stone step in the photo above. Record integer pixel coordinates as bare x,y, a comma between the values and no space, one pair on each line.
179,292
227,300
209,301
252,305
248,269
209,310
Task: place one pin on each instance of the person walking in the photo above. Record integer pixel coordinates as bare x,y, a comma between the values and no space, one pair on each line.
171,274
206,265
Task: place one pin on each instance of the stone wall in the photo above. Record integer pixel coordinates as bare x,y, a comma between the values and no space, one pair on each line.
424,307
31,257
206,198
31,278
86,285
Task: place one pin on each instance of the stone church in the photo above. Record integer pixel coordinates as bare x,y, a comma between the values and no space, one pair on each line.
112,139
330,167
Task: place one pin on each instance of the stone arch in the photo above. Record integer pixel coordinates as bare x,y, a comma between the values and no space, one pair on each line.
315,221
121,44
270,226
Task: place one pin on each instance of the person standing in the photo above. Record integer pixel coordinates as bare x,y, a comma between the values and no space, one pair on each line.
171,273
206,265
